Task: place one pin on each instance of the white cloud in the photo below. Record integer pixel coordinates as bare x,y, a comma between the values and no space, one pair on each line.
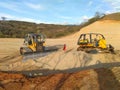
61,1
112,1
11,6
115,4
64,23
107,12
90,3
110,11
65,17
6,15
85,17
11,17
117,8
27,19
35,6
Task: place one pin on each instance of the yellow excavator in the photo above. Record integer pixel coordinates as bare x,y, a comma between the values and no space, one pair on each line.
93,41
33,43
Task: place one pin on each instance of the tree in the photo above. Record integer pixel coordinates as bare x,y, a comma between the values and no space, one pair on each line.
99,15
3,18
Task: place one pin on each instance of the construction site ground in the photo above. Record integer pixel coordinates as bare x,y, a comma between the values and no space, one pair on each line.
59,69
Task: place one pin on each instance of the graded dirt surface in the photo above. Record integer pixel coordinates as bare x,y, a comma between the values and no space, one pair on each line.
11,60
63,62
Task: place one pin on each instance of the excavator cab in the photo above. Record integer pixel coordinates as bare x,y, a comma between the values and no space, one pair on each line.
33,43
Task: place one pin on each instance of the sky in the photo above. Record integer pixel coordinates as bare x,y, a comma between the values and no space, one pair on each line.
56,11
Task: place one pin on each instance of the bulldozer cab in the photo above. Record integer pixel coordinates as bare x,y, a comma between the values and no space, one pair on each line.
31,38
33,43
36,42
93,43
92,40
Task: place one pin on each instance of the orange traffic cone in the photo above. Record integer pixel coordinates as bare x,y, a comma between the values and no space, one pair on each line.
64,48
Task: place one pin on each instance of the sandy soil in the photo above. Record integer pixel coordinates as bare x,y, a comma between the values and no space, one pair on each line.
10,59
67,61
110,29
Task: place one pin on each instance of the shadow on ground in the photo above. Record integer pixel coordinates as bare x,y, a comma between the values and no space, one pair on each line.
107,79
44,72
101,78
48,50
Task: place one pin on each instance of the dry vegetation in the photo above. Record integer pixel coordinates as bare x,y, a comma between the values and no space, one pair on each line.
18,29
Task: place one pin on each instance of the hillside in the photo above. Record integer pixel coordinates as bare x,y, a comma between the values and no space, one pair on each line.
110,29
113,16
18,29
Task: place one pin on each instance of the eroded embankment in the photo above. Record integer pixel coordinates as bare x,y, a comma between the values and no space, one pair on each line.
92,79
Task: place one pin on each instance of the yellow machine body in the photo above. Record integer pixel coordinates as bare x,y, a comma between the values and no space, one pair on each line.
32,46
33,43
92,40
102,43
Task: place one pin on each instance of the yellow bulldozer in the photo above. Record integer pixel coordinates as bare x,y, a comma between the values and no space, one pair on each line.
33,43
94,42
